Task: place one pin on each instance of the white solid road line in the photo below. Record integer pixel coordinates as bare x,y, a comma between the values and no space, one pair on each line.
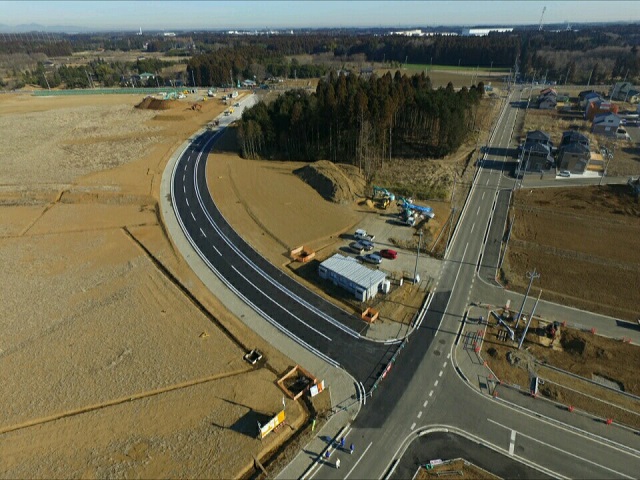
358,461
281,306
512,442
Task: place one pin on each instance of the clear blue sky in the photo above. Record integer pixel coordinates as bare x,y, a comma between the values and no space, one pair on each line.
237,14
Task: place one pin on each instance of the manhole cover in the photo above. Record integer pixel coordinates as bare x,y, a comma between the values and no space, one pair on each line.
442,342
436,353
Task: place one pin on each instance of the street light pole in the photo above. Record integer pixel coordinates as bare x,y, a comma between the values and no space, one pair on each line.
532,276
524,334
609,158
415,271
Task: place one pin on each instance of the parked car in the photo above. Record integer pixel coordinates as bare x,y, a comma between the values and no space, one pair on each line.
356,247
362,235
388,253
237,104
564,173
373,258
368,246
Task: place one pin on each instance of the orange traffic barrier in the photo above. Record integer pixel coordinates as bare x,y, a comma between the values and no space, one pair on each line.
570,408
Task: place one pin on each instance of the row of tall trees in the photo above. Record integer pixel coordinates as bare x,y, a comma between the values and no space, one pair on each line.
351,119
224,65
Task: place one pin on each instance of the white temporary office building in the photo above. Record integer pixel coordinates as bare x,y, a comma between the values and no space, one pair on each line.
348,273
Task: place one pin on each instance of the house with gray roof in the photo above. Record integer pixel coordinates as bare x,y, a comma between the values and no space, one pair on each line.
573,157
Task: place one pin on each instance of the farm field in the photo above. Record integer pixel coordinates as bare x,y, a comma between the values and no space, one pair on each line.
116,360
583,242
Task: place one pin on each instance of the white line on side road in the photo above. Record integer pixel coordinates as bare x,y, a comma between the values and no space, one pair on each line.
435,384
512,442
184,189
562,451
424,405
358,461
431,393
413,425
419,414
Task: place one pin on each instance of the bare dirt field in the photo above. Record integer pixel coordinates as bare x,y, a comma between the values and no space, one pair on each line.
584,243
116,362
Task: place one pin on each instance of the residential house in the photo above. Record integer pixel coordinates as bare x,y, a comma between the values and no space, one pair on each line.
596,107
538,136
573,157
633,96
584,101
573,136
249,84
548,98
583,94
606,124
621,90
536,157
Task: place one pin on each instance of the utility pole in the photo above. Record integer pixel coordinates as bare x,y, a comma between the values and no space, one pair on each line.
415,271
609,158
524,334
532,276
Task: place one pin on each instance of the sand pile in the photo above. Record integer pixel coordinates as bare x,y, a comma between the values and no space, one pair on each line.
150,103
336,183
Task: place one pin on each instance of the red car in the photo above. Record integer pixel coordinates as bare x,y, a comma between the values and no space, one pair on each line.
390,254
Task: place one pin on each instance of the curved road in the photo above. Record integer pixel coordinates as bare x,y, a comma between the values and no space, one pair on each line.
424,387
318,325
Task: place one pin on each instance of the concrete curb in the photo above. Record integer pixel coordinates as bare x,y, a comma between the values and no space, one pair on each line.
341,384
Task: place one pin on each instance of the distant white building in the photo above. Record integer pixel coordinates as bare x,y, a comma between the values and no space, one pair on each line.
481,32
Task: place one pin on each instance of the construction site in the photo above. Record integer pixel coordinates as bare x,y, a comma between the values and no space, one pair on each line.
577,369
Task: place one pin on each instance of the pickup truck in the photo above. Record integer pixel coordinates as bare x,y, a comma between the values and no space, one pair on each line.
362,235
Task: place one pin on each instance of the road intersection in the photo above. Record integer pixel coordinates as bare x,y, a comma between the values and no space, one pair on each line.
425,389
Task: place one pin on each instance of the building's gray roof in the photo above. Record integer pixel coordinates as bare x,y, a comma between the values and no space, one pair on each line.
350,268
538,135
575,148
572,136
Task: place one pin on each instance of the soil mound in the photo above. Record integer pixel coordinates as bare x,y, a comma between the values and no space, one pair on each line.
336,183
150,103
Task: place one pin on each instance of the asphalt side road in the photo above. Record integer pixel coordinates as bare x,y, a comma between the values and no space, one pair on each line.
449,446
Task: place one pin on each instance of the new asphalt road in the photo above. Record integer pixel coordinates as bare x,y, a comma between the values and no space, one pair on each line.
422,389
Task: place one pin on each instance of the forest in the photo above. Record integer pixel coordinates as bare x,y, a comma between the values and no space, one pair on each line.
350,119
